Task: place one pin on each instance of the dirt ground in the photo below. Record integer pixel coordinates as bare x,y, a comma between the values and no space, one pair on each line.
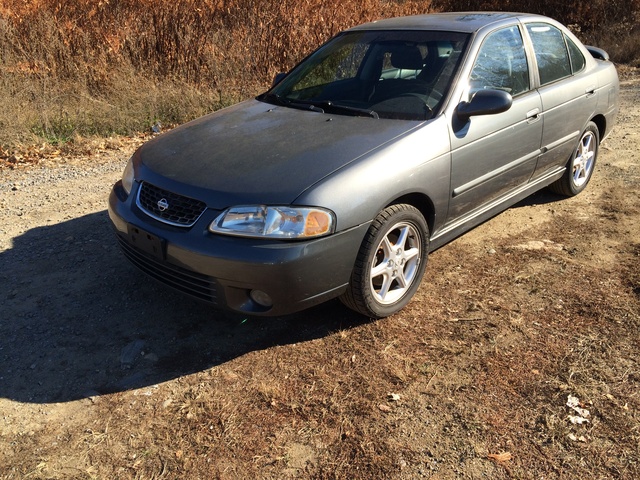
519,357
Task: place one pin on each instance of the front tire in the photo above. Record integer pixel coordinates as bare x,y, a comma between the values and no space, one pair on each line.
581,165
390,263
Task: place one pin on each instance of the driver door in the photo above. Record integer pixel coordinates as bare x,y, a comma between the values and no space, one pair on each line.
494,154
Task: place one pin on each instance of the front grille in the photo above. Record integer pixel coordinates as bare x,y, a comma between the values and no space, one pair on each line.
169,207
186,281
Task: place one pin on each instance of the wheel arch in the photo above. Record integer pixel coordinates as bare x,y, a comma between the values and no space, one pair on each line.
423,203
601,123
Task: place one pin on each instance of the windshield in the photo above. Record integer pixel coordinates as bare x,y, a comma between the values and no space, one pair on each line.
381,74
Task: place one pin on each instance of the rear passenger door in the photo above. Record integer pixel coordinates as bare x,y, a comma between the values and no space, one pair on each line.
568,96
494,154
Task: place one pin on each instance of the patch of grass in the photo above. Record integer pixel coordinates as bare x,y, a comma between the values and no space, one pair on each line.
57,130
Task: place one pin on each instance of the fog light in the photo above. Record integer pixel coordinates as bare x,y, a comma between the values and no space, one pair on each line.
261,298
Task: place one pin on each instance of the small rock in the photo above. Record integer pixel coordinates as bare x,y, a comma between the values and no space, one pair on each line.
129,353
91,396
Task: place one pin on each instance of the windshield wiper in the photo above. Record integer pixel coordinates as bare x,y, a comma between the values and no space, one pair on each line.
329,105
285,102
272,98
317,105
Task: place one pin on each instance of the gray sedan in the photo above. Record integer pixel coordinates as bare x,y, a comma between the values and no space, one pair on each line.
384,144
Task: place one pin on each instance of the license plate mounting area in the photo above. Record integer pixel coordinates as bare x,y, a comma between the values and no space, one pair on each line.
147,242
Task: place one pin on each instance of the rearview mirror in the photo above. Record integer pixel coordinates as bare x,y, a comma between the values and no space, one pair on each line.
484,102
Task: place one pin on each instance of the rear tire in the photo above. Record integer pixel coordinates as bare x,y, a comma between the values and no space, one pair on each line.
390,263
581,164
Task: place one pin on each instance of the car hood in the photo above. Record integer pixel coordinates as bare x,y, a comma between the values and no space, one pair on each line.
257,153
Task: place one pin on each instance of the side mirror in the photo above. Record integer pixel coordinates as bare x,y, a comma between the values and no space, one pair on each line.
484,102
278,78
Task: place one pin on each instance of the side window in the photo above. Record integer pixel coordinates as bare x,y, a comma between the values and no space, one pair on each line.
551,52
577,59
501,63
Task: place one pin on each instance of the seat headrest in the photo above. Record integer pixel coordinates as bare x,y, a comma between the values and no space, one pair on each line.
407,57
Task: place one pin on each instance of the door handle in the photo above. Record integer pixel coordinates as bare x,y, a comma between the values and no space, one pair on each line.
533,115
590,91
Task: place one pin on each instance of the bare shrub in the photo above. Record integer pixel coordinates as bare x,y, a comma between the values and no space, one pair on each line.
84,67
585,16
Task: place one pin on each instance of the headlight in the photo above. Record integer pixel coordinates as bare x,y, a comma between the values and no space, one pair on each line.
127,177
284,222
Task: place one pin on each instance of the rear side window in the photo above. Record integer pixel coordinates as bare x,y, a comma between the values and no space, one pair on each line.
577,59
551,52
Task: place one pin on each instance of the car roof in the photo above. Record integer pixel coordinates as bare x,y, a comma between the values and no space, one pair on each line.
465,22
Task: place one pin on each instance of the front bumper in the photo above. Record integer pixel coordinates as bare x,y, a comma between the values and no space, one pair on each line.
223,270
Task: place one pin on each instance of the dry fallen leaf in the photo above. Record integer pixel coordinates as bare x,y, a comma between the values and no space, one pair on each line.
577,420
500,457
384,408
575,404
